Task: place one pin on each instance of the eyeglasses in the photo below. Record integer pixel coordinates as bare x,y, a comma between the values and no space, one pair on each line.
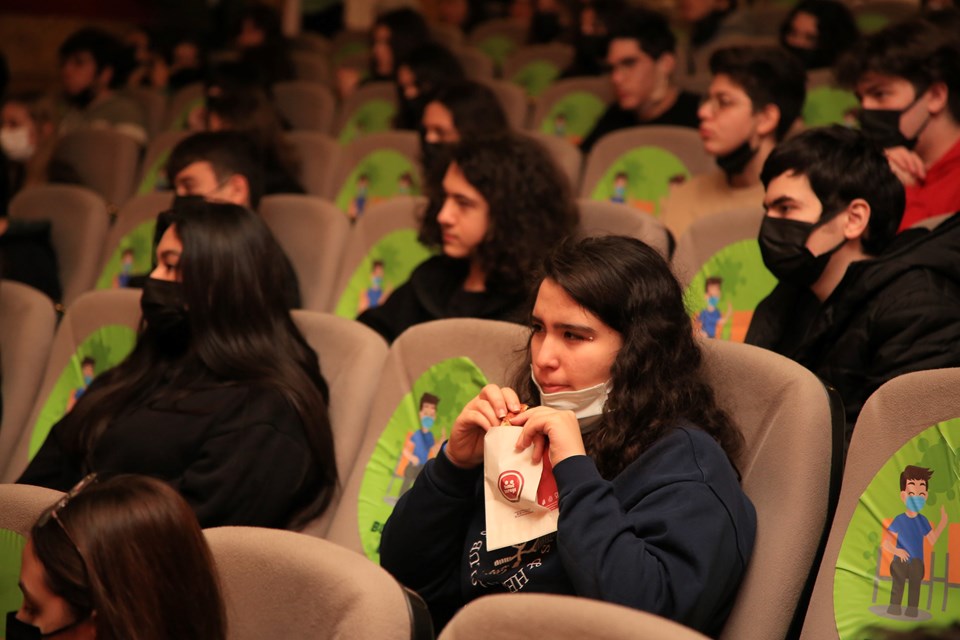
54,513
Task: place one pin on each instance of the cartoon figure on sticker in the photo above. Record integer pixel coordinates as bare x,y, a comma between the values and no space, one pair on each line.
904,539
87,370
710,319
405,183
560,124
420,446
619,188
126,270
374,295
360,200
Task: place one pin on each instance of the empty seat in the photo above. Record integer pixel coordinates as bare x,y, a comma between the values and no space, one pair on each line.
107,161
27,323
370,109
312,232
309,66
280,584
318,154
498,38
79,228
570,108
306,105
513,100
376,167
476,64
535,67
610,218
567,157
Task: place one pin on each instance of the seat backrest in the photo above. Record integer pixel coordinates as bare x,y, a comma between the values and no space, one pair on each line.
567,156
27,322
506,616
318,154
911,420
306,105
280,584
182,102
636,166
312,232
107,161
610,218
498,38
99,327
153,175
514,101
719,256
826,102
349,43
370,109
934,222
154,105
444,34
20,506
788,423
310,66
309,41
351,356
128,249
376,167
535,67
476,64
385,238
450,359
79,221
570,108
875,15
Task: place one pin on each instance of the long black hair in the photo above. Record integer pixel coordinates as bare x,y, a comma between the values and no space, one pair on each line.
656,378
240,332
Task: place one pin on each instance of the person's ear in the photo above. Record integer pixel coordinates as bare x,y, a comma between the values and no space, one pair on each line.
667,62
237,190
858,219
104,77
939,95
768,119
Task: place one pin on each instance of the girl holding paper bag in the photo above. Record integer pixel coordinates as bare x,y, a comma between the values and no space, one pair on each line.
651,512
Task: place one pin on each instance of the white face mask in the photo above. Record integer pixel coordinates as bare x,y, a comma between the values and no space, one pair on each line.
16,144
587,404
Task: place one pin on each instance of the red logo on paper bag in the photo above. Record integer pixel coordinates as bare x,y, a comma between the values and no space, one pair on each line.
547,494
511,484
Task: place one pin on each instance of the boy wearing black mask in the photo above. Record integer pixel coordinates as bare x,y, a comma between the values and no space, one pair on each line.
852,305
755,97
92,64
908,80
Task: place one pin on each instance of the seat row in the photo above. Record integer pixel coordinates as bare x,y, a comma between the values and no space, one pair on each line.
791,465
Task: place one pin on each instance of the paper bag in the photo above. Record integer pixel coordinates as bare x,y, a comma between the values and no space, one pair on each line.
521,498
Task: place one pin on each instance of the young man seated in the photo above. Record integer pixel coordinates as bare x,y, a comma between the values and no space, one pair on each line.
908,80
92,65
642,57
755,97
856,304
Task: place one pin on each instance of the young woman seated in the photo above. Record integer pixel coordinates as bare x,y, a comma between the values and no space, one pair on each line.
122,559
505,204
221,397
651,512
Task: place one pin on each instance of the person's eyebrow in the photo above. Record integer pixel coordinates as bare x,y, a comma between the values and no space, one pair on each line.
566,325
169,253
778,201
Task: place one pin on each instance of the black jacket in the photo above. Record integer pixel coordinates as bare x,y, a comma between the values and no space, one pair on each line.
897,313
435,291
683,113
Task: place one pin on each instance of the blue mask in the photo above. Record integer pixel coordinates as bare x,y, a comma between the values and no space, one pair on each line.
915,503
712,301
87,380
426,422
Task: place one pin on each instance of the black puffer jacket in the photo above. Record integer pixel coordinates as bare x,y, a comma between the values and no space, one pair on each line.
890,315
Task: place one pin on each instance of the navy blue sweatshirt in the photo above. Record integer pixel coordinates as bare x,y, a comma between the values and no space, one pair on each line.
672,535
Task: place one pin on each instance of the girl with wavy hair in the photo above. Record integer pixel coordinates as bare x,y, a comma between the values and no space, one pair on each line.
651,513
505,204
222,397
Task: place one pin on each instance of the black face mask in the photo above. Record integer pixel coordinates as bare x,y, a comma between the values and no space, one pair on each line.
783,247
737,160
19,630
165,311
435,156
882,126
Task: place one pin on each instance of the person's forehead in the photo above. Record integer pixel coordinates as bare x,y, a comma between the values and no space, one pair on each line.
873,80
722,83
82,57
198,171
622,48
792,185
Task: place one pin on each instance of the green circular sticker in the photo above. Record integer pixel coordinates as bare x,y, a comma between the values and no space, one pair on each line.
573,116
132,257
869,22
830,105
641,178
101,350
386,266
498,48
11,552
381,174
417,428
351,48
536,76
727,289
899,564
372,116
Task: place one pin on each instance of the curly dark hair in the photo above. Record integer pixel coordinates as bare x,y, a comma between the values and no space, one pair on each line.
531,207
656,379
